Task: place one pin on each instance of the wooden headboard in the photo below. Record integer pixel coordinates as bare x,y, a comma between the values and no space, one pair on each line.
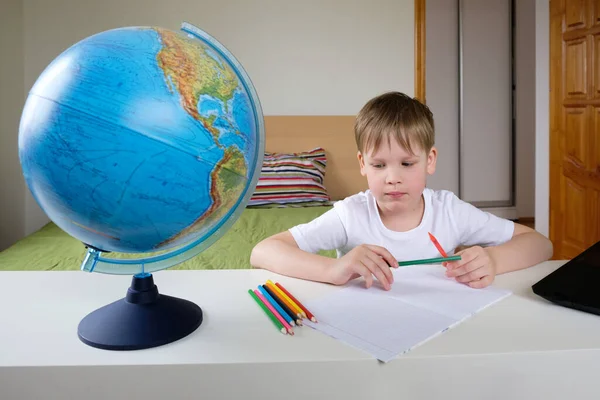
286,134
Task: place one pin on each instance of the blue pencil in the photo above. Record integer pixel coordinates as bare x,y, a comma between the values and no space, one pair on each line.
276,306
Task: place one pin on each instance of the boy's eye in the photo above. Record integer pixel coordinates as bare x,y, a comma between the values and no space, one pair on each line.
407,164
377,165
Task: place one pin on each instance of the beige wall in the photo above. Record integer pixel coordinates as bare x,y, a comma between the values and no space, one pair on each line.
312,57
12,188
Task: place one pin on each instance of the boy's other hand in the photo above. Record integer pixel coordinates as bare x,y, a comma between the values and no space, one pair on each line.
476,268
367,261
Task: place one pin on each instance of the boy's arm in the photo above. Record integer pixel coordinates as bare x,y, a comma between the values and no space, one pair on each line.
280,253
526,248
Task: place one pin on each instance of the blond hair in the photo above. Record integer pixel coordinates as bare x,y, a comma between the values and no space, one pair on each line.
394,115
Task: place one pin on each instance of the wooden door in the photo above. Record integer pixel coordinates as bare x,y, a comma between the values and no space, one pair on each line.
574,125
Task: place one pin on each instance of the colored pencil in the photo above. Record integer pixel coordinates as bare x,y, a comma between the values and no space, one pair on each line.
428,261
282,304
280,310
308,313
270,307
278,324
437,244
287,300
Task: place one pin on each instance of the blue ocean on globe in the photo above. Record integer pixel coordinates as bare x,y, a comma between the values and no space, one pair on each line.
142,139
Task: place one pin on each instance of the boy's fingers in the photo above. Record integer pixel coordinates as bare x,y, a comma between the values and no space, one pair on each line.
466,258
383,252
383,266
363,271
375,270
472,276
483,282
463,269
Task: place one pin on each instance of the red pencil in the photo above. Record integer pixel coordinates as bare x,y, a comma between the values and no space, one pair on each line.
308,314
437,244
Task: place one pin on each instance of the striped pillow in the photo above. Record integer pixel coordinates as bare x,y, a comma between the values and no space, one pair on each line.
292,180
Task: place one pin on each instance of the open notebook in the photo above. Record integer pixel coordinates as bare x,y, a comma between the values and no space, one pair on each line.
422,303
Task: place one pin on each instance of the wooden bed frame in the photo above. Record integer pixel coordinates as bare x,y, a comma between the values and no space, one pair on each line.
289,134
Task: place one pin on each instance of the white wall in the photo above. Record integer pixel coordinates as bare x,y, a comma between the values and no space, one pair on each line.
305,58
542,116
12,188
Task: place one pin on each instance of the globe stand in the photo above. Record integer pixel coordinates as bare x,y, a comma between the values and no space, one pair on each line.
143,319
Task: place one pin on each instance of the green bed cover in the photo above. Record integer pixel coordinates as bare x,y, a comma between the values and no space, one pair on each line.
50,248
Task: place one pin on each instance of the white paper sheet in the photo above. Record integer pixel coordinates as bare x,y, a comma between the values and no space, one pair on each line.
422,303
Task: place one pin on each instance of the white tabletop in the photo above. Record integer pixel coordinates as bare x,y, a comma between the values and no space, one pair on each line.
522,344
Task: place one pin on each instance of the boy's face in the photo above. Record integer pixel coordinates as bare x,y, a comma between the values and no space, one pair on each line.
396,177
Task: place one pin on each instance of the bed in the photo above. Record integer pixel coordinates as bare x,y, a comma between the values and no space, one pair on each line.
50,248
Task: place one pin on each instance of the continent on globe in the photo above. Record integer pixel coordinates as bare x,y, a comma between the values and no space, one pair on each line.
193,71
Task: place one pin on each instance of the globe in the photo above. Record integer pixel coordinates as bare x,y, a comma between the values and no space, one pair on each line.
142,141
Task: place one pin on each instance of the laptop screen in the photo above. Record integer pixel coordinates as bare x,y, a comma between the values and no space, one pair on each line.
577,281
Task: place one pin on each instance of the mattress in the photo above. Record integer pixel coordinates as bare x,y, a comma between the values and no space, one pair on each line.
51,248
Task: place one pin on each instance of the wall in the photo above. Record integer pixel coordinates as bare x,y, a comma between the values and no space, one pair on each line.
486,102
486,175
12,188
442,89
525,107
542,116
312,57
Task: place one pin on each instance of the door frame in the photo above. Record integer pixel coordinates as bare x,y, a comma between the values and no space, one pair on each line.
420,50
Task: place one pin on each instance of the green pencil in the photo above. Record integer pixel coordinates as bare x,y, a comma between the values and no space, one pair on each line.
428,261
269,313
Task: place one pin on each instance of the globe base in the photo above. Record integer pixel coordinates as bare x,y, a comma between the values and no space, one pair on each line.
141,320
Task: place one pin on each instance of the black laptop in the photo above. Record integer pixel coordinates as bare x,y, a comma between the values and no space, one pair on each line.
576,284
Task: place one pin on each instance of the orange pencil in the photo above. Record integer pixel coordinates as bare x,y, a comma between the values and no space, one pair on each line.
308,314
293,306
437,245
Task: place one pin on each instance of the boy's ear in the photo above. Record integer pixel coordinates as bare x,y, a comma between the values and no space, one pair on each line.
361,163
431,160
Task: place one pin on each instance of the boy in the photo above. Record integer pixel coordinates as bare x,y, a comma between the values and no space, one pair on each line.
391,221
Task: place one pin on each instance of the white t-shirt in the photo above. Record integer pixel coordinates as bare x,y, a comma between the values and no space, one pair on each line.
356,220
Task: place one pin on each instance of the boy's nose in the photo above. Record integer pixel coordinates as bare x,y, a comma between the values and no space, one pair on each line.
394,177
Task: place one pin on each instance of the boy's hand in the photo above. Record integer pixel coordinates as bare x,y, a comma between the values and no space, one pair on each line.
476,268
367,261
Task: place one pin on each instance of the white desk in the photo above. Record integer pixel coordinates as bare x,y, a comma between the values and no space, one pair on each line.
522,347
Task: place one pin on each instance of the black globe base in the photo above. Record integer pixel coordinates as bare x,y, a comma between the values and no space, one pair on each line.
141,320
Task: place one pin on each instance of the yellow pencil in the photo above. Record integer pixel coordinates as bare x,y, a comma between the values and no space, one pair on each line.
286,301
280,292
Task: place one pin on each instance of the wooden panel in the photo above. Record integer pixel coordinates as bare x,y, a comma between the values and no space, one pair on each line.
575,129
556,129
594,217
595,70
594,144
595,12
420,50
333,133
575,14
575,65
575,207
581,175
